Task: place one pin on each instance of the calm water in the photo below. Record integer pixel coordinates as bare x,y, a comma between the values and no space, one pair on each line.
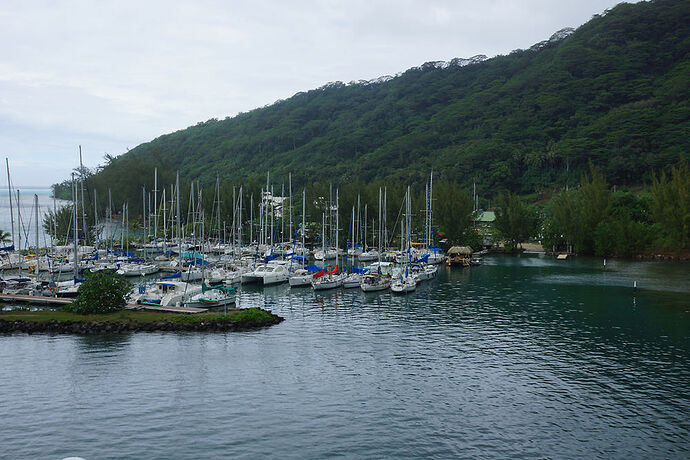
520,358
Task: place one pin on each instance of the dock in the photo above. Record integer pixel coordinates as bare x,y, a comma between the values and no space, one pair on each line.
165,309
35,299
40,299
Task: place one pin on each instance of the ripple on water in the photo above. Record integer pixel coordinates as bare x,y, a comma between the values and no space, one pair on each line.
521,357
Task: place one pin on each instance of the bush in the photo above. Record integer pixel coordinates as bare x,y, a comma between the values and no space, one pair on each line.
101,292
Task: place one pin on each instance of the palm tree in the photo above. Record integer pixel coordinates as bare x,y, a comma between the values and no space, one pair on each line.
5,236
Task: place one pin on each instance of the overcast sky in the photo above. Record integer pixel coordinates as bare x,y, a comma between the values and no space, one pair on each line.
110,75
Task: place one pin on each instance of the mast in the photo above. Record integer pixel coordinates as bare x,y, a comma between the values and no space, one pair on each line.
122,232
239,220
385,213
165,229
251,219
303,227
95,217
54,224
127,226
155,208
379,224
358,236
83,208
364,247
351,235
261,219
431,211
76,225
290,206
177,203
337,248
273,213
37,258
323,236
19,222
110,216
143,214
9,192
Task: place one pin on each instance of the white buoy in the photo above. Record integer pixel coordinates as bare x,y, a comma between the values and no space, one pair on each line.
604,261
634,284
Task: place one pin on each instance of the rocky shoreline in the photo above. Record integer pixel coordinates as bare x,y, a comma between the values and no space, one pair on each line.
121,327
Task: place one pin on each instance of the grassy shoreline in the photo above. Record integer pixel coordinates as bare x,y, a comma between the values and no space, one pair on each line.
58,321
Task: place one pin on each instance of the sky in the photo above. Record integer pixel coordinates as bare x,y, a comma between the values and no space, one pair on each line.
109,75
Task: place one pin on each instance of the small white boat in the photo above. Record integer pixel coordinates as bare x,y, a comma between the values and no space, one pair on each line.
403,284
425,272
369,255
192,274
327,281
270,273
300,277
168,293
137,269
353,280
213,297
375,282
385,268
330,253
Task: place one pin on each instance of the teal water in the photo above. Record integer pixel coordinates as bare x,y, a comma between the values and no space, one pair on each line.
520,358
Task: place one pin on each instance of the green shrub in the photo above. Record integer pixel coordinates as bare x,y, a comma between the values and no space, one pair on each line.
101,292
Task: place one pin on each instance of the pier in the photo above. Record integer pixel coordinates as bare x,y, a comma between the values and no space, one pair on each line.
43,300
39,299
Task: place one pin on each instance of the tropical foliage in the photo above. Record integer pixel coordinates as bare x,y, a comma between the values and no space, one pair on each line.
101,292
515,221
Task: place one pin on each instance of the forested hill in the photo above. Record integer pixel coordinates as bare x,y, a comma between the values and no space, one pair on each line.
613,92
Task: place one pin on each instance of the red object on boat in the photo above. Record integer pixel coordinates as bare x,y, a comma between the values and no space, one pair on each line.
320,273
334,271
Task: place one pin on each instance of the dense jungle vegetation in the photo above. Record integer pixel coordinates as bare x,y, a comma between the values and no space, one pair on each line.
608,102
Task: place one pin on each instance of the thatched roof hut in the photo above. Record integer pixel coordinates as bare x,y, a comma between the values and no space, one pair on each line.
460,251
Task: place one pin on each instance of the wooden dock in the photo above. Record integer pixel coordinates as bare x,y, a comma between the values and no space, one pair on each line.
166,309
35,299
39,299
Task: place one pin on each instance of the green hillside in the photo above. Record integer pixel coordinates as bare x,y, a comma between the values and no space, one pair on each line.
614,92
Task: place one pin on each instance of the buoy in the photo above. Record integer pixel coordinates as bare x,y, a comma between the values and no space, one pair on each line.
604,261
634,284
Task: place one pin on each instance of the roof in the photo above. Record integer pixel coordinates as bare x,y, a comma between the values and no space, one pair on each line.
486,216
460,250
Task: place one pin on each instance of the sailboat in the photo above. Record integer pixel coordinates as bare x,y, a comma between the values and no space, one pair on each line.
301,276
376,279
406,282
212,296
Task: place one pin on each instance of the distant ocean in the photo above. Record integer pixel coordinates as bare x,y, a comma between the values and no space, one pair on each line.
28,214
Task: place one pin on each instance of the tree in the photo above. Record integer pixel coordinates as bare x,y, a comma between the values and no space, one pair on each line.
5,236
453,212
595,204
101,292
671,205
516,221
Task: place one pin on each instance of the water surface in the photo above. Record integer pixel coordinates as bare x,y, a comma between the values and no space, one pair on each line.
521,357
